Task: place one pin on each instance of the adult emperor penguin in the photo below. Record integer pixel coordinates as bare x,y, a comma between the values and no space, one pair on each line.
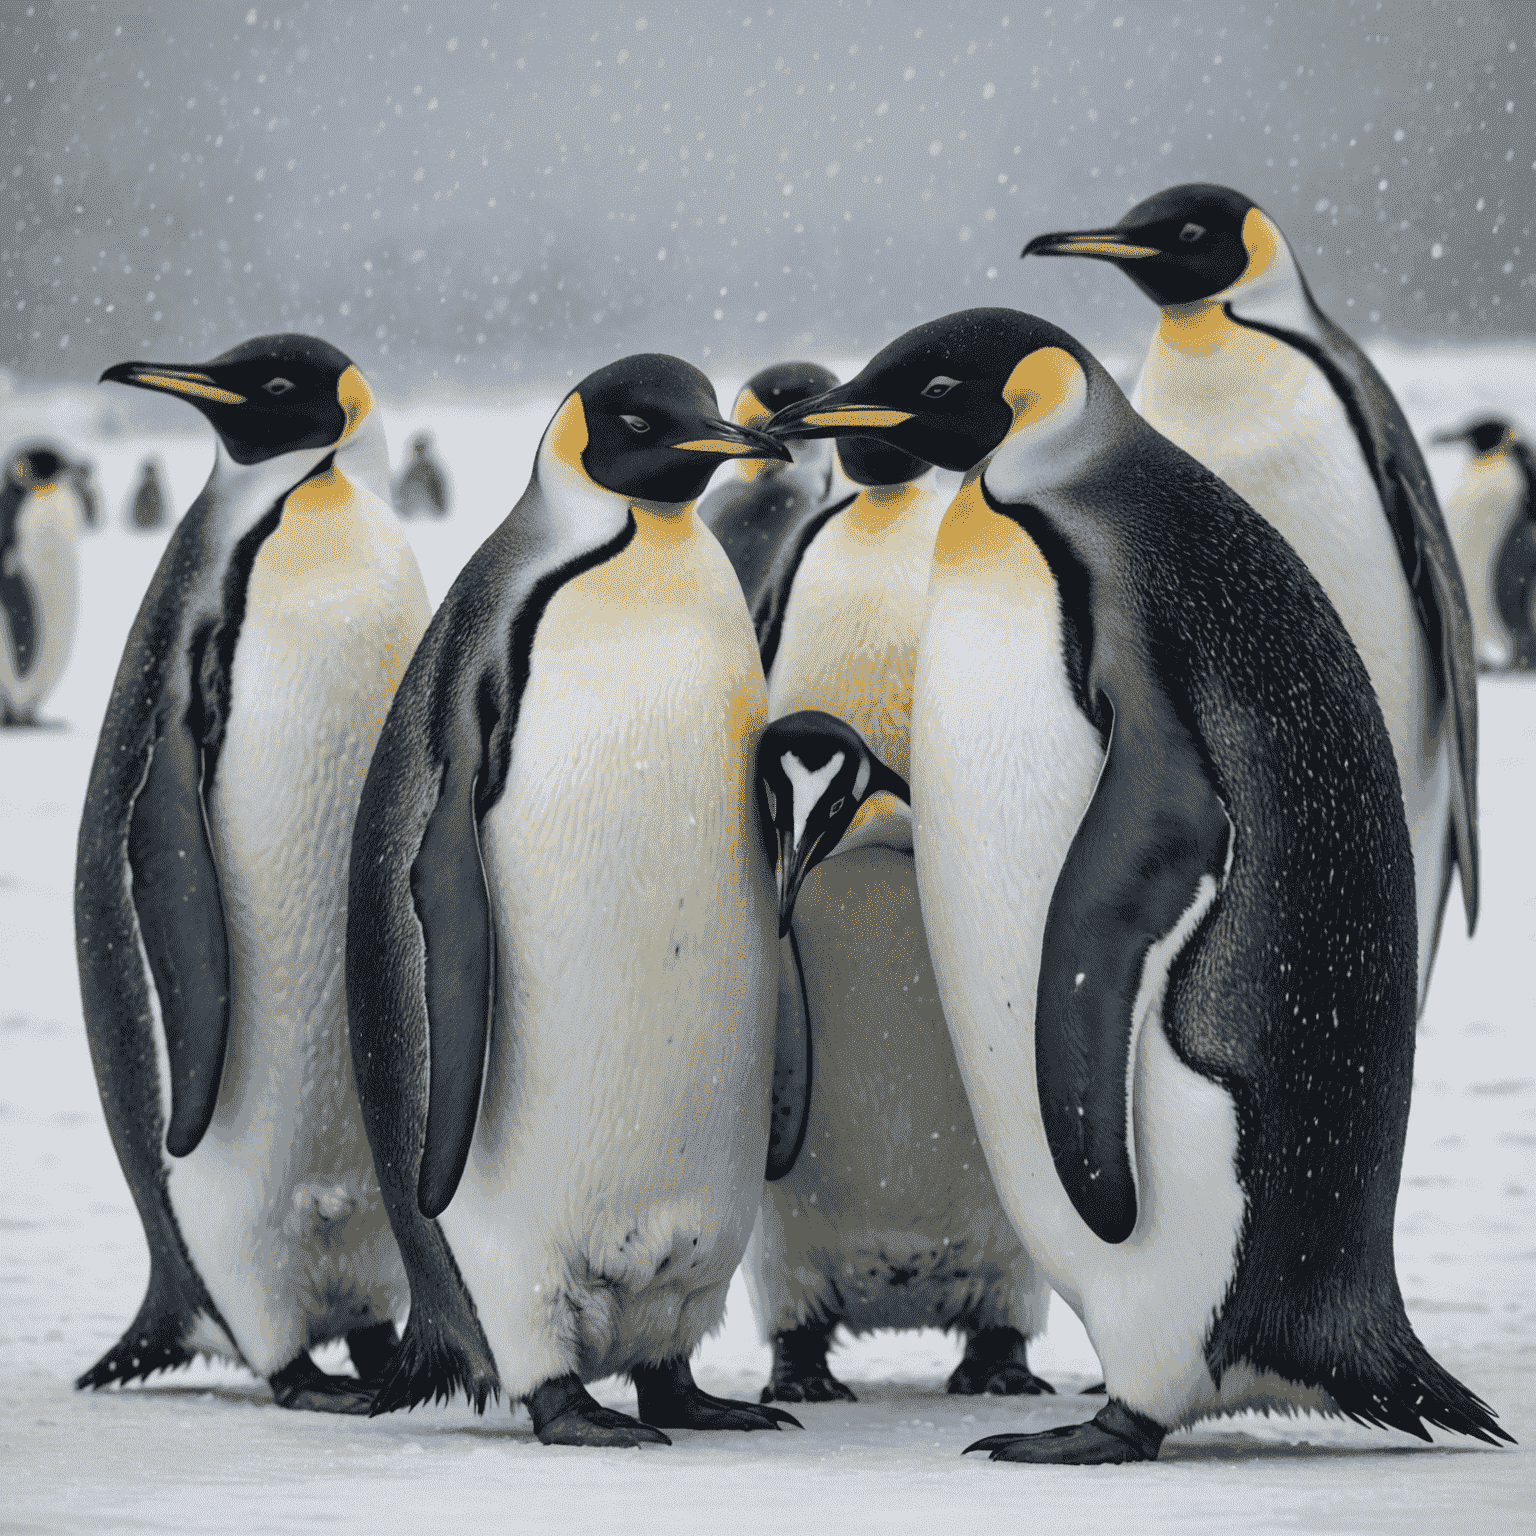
888,1218
751,512
1246,373
40,519
210,892
1494,497
561,960
1168,890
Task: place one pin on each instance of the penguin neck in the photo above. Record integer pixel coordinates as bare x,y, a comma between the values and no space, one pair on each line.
245,493
878,509
1271,287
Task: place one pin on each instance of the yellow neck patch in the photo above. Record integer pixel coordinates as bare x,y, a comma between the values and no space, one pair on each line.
876,507
316,527
567,436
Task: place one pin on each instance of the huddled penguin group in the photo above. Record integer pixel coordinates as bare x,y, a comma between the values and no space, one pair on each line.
926,903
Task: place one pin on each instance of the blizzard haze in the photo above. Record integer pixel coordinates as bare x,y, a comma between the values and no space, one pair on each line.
465,196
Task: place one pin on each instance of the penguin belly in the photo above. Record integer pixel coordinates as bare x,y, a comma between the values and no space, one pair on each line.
993,824
47,557
278,1204
889,1218
617,1161
1485,502
1240,411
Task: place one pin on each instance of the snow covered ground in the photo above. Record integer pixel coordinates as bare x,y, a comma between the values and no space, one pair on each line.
206,1450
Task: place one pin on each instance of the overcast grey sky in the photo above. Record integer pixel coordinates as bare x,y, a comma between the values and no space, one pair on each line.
495,194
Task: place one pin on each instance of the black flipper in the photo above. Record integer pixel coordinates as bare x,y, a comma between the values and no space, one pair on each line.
453,907
771,601
1153,831
791,1111
181,920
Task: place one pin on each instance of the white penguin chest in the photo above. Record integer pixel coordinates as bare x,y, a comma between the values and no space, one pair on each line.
1485,502
632,898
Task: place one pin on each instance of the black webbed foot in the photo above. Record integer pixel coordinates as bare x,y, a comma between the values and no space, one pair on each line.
302,1384
372,1349
1098,1389
1116,1434
668,1395
565,1413
800,1373
996,1361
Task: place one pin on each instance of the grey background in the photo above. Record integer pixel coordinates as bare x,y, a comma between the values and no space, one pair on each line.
469,196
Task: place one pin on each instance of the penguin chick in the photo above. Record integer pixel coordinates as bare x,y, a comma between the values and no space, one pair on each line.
40,518
1494,498
210,893
1162,854
891,1219
561,961
422,486
751,512
1249,376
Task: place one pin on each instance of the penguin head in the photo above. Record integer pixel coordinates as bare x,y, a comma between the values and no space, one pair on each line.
37,469
770,390
268,396
648,428
949,391
822,792
1488,435
1181,246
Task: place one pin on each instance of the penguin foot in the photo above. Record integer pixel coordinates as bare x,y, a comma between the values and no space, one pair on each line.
995,1362
1115,1435
800,1373
372,1349
1098,1389
668,1395
302,1384
565,1413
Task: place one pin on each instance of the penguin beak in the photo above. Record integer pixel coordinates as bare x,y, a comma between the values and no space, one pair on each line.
838,413
1106,244
795,863
1448,437
172,379
726,440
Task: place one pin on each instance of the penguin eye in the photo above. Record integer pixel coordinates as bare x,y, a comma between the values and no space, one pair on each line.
636,424
837,805
278,386
1191,232
938,386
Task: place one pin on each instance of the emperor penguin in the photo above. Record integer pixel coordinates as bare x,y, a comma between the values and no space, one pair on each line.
764,499
210,895
561,958
1494,500
40,520
422,485
1168,890
1248,375
888,1218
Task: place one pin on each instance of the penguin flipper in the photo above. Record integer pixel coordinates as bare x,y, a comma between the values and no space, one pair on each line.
180,910
1135,876
769,601
791,1109
448,889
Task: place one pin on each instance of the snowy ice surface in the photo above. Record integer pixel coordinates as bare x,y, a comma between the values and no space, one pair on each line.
205,1450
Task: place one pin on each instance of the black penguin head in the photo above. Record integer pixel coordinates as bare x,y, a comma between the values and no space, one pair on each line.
1183,245
822,791
266,397
649,427
421,445
37,466
1485,436
947,392
771,389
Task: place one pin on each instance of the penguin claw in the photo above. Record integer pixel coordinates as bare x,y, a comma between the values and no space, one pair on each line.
667,1394
598,1426
304,1386
1114,1436
807,1389
996,1362
1098,1389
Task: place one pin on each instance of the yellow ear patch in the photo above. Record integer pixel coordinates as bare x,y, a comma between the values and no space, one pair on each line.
186,386
749,411
567,433
354,397
1040,383
1262,241
857,416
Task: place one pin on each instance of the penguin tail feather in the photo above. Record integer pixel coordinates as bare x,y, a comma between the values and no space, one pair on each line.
1423,1392
433,1362
155,1341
